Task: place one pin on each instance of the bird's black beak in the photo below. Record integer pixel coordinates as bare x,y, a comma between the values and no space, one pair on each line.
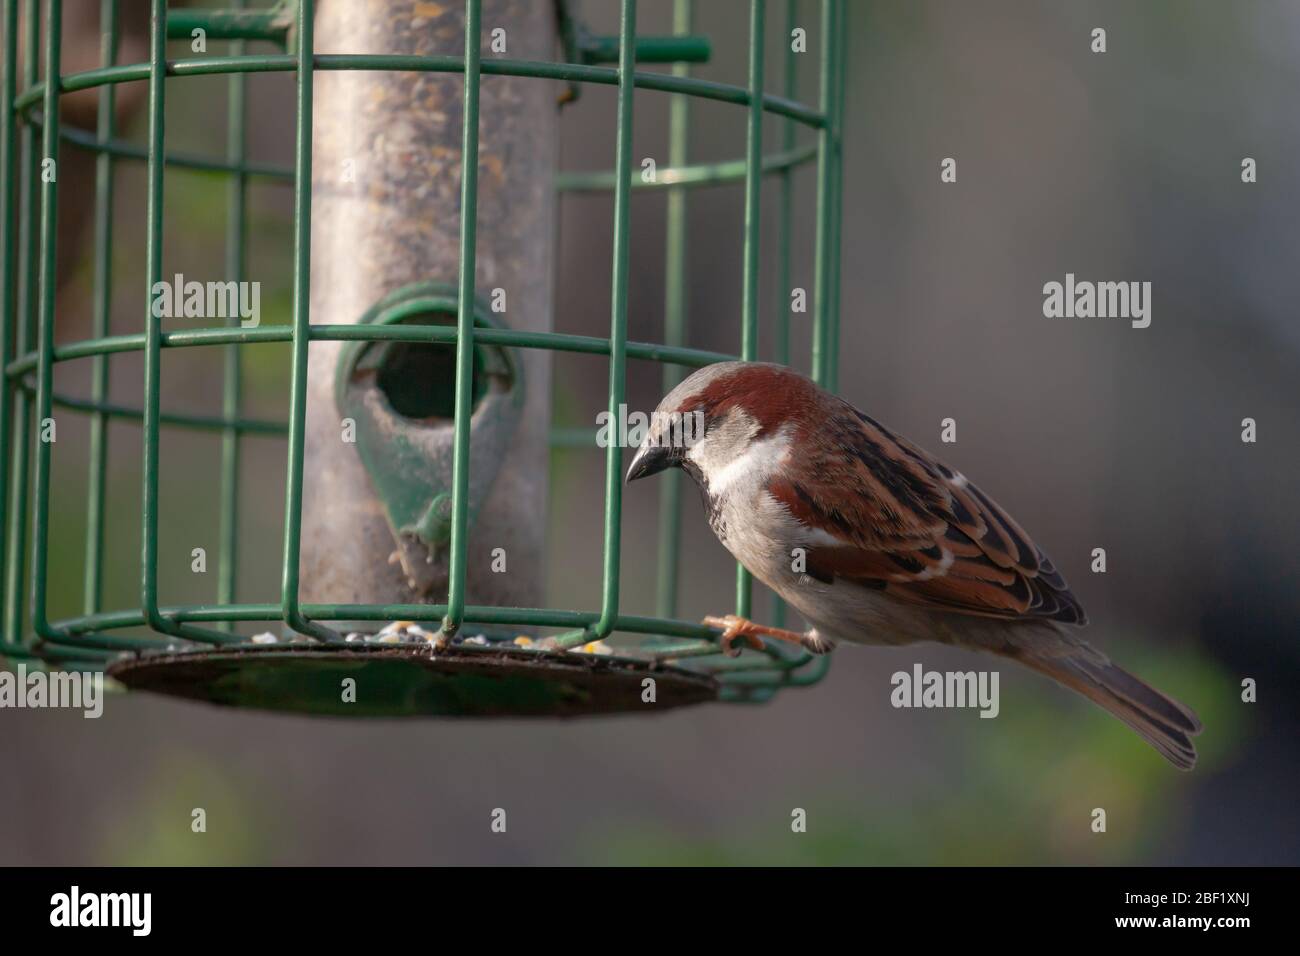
651,459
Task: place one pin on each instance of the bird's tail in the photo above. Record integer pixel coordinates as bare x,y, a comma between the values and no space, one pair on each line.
1158,719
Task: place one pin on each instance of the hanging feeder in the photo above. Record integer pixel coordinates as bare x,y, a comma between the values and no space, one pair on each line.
435,384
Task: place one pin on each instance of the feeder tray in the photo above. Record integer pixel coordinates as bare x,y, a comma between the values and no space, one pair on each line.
415,682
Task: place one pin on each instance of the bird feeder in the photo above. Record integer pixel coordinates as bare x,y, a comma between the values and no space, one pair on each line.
418,427
399,397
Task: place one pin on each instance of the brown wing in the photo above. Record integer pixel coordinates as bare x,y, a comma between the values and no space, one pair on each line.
916,529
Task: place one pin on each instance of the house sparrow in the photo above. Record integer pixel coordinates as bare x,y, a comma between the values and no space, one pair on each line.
875,541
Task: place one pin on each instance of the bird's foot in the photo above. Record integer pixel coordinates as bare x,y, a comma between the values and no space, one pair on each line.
736,628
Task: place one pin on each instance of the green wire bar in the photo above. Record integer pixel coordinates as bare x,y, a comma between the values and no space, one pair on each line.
464,324
571,72
47,295
670,489
98,467
29,355
617,325
292,612
271,24
236,209
673,49
8,280
22,323
785,222
825,191
753,185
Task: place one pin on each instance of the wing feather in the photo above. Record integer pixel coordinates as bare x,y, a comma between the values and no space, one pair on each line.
916,528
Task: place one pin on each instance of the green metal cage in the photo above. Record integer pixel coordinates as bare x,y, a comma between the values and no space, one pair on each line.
194,645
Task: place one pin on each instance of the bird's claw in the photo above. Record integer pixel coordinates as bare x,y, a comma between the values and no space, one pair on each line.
735,629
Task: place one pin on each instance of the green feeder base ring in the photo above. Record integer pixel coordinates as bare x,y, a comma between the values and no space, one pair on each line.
415,682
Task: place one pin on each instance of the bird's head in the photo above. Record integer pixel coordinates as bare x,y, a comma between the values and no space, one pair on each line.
722,418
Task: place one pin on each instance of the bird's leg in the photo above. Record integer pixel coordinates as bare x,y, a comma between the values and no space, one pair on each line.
738,628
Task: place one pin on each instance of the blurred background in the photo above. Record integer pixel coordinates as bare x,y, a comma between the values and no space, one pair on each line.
1117,166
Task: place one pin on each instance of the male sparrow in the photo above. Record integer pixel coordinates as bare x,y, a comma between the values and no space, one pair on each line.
875,541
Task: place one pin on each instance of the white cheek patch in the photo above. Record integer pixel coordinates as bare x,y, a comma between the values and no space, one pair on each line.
755,463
